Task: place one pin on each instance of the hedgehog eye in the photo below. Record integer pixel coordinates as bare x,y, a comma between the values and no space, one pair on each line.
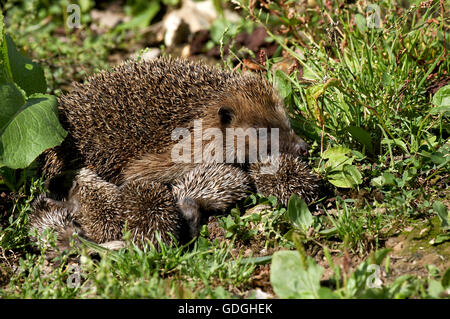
226,115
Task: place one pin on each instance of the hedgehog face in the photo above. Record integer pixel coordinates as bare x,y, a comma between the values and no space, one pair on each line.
254,112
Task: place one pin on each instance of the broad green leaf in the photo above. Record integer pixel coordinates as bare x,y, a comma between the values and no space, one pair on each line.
5,70
441,238
298,212
442,100
435,289
353,174
11,101
283,84
340,180
438,158
362,136
32,129
349,177
387,179
445,281
336,151
290,280
341,172
441,210
26,73
361,23
337,157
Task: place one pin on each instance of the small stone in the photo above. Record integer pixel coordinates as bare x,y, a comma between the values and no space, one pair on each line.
398,247
147,55
177,30
259,294
186,51
150,54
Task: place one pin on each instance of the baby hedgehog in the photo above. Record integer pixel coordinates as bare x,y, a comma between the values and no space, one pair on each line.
58,216
283,175
98,210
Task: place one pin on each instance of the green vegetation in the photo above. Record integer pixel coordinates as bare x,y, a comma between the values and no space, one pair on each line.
29,122
372,97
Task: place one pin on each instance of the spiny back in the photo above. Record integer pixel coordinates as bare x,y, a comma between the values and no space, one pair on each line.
133,109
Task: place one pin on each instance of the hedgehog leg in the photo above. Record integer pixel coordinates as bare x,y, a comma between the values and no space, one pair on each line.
150,209
57,216
100,206
208,189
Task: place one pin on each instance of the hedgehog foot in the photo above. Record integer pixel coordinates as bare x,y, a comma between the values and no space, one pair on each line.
57,216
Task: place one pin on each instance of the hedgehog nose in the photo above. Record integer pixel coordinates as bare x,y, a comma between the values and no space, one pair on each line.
295,145
301,148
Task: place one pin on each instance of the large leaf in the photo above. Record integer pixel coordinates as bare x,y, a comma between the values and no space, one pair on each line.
337,157
361,23
441,210
283,84
26,73
5,71
341,172
32,128
291,279
12,101
442,100
298,212
347,178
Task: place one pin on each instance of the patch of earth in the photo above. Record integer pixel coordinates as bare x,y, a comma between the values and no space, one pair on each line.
413,250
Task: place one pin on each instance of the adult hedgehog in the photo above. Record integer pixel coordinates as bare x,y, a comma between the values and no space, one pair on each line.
120,122
121,126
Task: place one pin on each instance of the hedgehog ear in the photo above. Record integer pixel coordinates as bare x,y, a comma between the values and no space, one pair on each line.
225,115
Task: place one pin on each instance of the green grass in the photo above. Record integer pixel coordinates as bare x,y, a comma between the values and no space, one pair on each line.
362,97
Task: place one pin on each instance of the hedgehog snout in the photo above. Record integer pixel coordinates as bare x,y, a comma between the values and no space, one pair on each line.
301,147
295,145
